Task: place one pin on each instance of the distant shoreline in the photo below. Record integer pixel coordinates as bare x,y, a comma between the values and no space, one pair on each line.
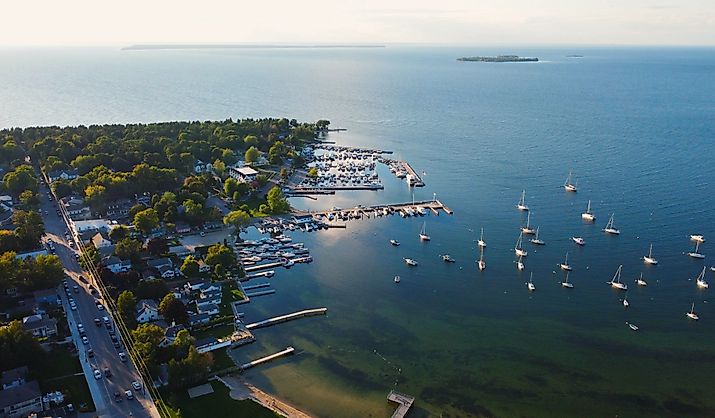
139,47
499,58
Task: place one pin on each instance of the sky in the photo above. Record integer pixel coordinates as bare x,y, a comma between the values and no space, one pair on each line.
479,22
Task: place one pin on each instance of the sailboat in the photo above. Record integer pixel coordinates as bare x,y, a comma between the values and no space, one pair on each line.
588,215
517,248
482,265
522,202
700,281
695,253
565,265
692,315
625,301
568,186
530,285
648,259
527,229
423,232
519,264
641,281
481,241
616,280
610,229
566,282
536,239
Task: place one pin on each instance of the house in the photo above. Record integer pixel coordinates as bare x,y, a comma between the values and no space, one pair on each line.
19,398
40,326
75,207
6,200
116,265
101,240
182,295
180,251
48,296
33,254
93,225
182,228
147,310
203,267
160,262
243,174
62,175
170,334
166,272
208,308
210,287
199,319
194,285
119,209
202,167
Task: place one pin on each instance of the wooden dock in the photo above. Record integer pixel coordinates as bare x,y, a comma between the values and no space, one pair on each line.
287,317
264,266
404,402
416,179
432,205
256,286
288,350
261,293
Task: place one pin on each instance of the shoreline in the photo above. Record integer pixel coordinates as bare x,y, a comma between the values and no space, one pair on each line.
240,389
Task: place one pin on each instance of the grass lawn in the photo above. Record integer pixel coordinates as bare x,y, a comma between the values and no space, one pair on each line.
217,404
220,331
58,371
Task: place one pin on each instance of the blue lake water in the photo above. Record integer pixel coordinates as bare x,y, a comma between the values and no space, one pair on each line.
637,126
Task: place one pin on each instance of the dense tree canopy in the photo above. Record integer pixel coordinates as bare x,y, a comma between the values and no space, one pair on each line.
238,219
146,220
220,254
126,305
276,201
29,274
21,179
173,310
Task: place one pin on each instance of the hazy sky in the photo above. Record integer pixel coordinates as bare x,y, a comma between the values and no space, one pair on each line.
92,22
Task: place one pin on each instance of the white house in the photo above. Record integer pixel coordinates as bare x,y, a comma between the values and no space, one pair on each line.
115,265
62,174
18,397
202,167
75,207
166,272
147,311
99,240
243,174
207,308
93,225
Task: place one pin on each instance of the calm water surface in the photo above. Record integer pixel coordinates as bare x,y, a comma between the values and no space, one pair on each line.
637,128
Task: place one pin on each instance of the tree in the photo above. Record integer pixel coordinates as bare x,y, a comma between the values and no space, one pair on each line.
8,241
21,179
96,195
173,310
118,233
313,173
29,228
276,152
190,370
29,199
220,254
238,219
128,249
18,347
276,201
146,220
146,341
151,289
61,188
190,267
193,211
284,173
126,308
251,155
230,186
157,246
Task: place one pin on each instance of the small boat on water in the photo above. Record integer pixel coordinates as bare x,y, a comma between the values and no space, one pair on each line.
641,281
634,327
610,229
625,302
566,282
536,240
695,253
588,215
397,279
522,202
569,186
482,265
700,280
565,265
410,262
616,280
481,241
519,264
530,285
692,315
649,259
395,242
447,258
517,248
423,232
578,240
527,229
697,238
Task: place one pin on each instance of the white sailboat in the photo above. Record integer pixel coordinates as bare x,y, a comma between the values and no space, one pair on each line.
522,202
610,229
641,281
410,262
616,280
695,253
520,264
530,285
527,229
569,186
423,232
481,241
566,282
588,215
517,248
482,265
700,281
579,241
649,259
536,239
692,315
565,265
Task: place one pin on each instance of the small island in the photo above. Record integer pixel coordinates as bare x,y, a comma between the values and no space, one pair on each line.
500,58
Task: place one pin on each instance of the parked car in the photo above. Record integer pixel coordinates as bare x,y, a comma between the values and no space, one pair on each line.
75,289
100,307
107,372
129,394
136,385
85,340
117,397
97,374
97,322
90,353
122,357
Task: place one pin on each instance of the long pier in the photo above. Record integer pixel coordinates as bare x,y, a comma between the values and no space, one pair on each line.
261,293
404,402
288,350
258,267
256,286
433,205
416,179
287,317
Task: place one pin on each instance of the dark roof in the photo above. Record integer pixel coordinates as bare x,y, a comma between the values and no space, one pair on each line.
173,330
205,341
12,375
19,394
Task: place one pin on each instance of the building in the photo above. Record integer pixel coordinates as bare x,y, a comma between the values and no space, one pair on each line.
116,265
181,251
40,326
93,225
147,310
75,207
19,398
202,167
33,254
170,334
160,262
243,174
119,209
199,319
210,309
47,296
166,272
62,175
101,240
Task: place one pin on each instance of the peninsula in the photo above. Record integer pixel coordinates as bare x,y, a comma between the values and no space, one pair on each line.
500,58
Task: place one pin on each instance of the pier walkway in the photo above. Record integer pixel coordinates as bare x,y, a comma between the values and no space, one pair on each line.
404,402
287,317
288,350
376,210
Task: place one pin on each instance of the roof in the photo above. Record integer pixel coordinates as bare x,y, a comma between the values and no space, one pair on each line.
206,341
207,307
158,262
57,173
30,322
196,318
19,394
146,304
171,331
246,171
12,375
98,238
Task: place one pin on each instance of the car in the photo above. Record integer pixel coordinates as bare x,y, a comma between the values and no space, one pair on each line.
136,385
122,356
80,326
97,374
113,337
75,289
203,234
73,307
117,344
100,307
117,397
106,322
90,353
76,256
97,322
107,372
46,212
85,340
70,407
129,394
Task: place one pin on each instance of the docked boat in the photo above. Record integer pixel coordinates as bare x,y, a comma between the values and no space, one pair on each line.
397,279
522,202
634,327
481,241
695,253
536,239
616,280
649,259
566,282
610,229
517,248
569,186
520,264
692,315
395,242
447,258
697,238
565,265
578,240
421,211
588,215
641,281
423,232
700,281
530,285
482,265
410,262
288,263
527,229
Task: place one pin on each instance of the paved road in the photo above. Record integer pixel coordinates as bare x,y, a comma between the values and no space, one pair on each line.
105,354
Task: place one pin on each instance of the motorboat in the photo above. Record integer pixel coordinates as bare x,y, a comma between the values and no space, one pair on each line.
530,285
395,242
448,259
397,279
481,241
410,262
578,240
625,302
634,327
